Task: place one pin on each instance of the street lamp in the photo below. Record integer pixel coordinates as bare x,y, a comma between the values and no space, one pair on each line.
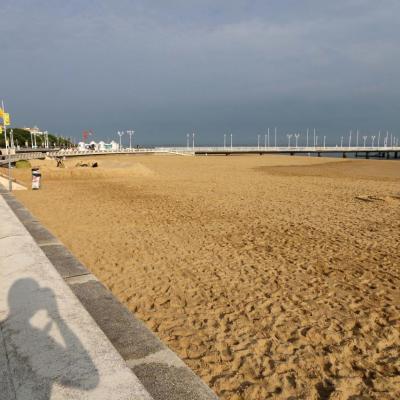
373,139
130,133
297,135
289,136
187,140
341,142
120,134
193,140
324,141
231,141
307,138
258,142
365,138
224,140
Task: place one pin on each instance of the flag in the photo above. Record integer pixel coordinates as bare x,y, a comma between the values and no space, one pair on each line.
6,118
1,112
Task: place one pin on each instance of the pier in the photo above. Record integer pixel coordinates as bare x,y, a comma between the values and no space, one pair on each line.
356,152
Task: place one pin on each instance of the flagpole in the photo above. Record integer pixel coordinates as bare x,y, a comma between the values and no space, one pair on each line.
9,149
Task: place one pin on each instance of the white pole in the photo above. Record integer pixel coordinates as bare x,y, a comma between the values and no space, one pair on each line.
268,138
341,142
365,138
275,137
224,140
258,142
187,140
324,141
231,141
193,140
307,138
265,141
373,139
350,139
297,135
315,142
9,150
12,138
357,139
379,138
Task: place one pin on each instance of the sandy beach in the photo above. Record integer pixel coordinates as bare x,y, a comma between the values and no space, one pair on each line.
271,277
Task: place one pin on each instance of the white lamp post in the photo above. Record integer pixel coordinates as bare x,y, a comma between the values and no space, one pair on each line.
130,133
258,142
120,134
341,142
231,142
373,139
289,136
297,135
224,140
365,139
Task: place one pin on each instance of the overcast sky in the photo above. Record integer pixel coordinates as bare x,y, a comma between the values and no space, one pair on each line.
166,68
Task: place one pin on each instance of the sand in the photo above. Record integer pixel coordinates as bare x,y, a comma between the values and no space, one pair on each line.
272,277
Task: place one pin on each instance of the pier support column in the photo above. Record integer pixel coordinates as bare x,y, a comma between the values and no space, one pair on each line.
395,154
367,155
344,155
387,155
319,154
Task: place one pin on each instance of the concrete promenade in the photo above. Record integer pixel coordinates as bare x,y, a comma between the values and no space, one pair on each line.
63,335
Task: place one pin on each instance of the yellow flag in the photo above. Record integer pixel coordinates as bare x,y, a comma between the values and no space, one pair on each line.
6,118
1,112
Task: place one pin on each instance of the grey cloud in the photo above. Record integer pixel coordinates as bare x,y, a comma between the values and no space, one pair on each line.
168,67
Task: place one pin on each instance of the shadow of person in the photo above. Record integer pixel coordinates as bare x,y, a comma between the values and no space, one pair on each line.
43,350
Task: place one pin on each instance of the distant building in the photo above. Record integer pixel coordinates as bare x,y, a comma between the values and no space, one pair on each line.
100,146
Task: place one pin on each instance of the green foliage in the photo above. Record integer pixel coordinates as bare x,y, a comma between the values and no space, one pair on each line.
23,137
23,164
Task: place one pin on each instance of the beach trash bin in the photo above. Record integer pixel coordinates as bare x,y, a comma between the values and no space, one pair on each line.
36,177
